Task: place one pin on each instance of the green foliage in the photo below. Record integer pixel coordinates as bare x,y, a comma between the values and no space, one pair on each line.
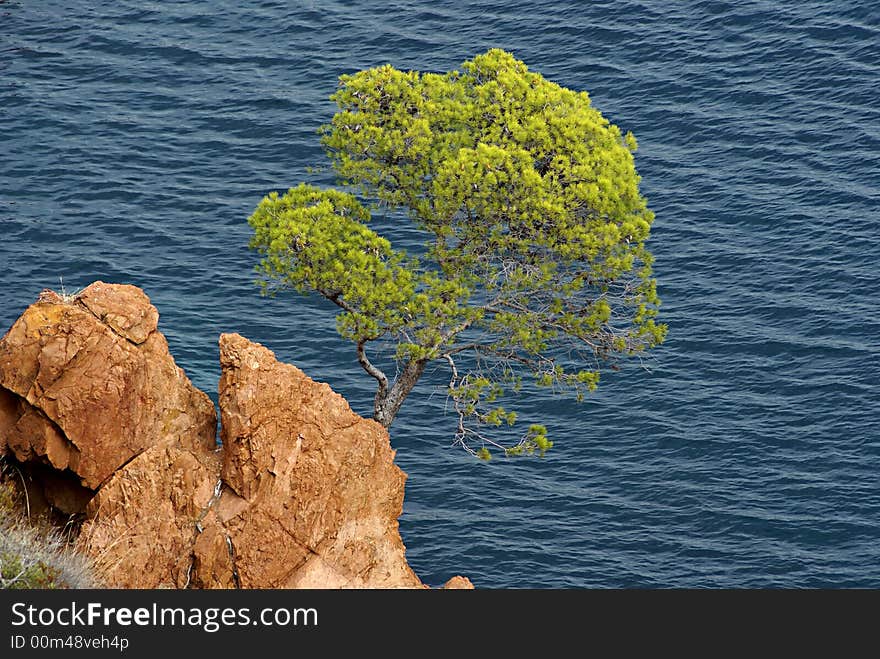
316,240
535,441
16,574
535,258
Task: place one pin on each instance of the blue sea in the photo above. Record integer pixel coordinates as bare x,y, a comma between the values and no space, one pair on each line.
137,137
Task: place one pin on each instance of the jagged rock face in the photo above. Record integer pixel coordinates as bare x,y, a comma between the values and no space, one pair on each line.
142,524
89,384
304,493
312,493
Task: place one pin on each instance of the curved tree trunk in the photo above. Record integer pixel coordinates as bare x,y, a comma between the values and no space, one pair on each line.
389,399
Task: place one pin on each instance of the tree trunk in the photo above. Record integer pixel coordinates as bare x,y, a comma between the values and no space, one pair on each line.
389,399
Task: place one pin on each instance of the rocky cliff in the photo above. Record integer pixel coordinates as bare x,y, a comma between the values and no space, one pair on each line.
108,430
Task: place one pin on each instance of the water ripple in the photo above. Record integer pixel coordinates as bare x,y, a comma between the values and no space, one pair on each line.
137,138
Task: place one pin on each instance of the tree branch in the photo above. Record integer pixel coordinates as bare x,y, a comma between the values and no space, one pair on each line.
458,349
337,300
371,370
464,432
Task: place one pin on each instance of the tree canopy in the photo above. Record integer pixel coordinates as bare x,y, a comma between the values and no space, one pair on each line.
534,269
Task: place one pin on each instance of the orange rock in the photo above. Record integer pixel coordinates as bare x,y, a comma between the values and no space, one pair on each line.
313,494
303,494
144,521
96,383
125,309
458,583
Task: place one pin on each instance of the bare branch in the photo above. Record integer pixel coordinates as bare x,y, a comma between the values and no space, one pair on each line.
372,370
